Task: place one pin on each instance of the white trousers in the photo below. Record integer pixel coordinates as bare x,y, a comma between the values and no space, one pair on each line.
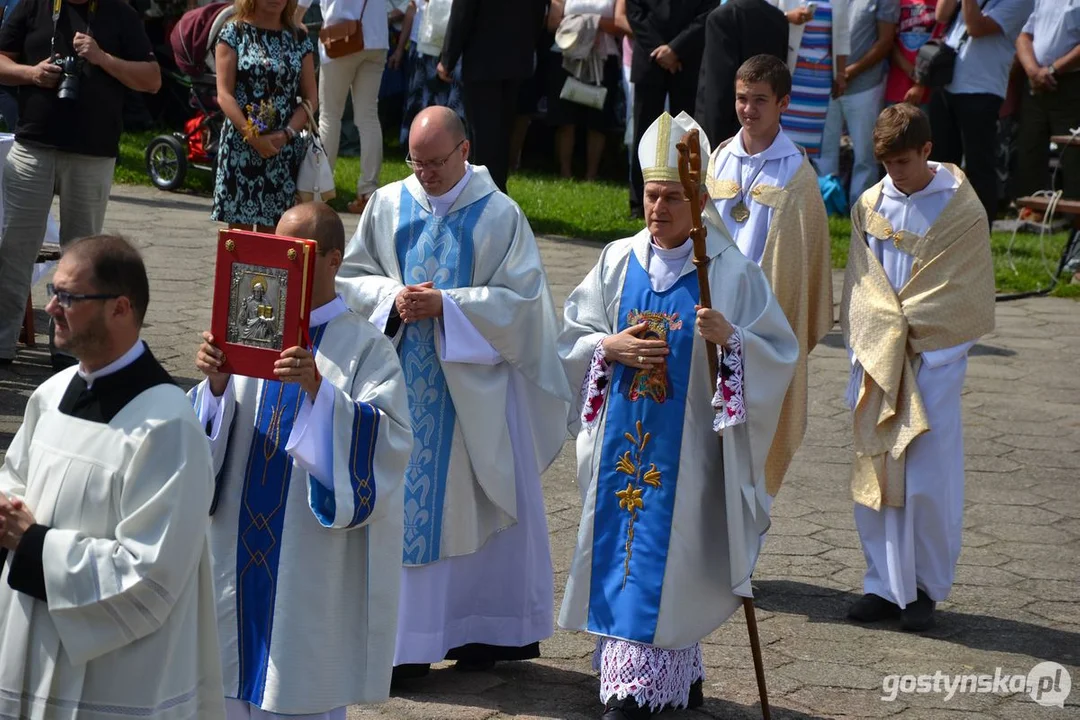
362,74
241,710
31,176
917,546
860,111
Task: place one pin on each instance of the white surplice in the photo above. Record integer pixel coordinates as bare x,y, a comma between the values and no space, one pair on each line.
491,581
127,629
917,546
775,166
329,634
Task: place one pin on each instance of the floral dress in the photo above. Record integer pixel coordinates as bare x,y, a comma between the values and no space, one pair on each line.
248,189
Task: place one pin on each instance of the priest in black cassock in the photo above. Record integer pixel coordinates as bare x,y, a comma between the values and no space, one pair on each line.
106,594
734,32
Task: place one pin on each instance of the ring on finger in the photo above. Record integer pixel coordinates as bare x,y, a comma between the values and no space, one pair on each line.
296,362
641,359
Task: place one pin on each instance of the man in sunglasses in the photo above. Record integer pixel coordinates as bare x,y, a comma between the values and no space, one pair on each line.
106,593
448,267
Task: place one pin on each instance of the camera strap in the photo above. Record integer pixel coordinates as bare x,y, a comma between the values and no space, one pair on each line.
58,5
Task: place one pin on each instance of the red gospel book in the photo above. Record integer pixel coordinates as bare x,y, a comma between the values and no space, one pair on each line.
262,299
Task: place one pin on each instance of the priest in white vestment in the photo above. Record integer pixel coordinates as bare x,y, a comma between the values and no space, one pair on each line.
306,528
671,462
765,191
919,292
447,265
106,593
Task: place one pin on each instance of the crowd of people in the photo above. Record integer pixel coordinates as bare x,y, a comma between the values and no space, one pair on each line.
298,545
598,66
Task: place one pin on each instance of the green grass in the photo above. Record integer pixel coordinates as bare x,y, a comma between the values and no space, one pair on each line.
599,211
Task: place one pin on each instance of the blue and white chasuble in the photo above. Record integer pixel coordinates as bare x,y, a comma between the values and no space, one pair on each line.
438,250
639,462
308,516
671,519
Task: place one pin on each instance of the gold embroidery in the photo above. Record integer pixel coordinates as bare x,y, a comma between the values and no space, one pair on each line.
632,463
652,383
879,227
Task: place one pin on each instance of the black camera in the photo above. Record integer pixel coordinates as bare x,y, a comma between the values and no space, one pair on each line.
71,66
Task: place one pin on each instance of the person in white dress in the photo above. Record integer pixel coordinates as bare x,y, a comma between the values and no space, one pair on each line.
306,525
448,266
672,513
106,591
918,294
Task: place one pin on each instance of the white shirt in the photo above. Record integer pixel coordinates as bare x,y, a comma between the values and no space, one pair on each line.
666,265
116,365
775,165
374,12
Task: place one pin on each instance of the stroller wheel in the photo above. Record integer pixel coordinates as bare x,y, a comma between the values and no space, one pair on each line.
166,162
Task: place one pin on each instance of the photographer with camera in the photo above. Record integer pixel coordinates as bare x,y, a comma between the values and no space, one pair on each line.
71,61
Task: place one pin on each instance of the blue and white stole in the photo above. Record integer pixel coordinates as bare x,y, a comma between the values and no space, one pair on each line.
260,525
439,250
639,462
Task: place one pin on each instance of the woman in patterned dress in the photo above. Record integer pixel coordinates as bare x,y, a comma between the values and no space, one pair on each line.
818,46
425,87
264,63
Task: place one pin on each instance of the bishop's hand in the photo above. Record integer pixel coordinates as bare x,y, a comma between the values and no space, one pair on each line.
627,348
209,360
15,518
713,326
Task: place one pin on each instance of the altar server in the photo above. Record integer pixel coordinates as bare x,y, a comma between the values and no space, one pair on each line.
106,593
766,192
918,293
306,529
649,457
448,266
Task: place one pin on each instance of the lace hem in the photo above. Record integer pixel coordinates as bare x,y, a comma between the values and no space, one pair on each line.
653,676
728,400
594,388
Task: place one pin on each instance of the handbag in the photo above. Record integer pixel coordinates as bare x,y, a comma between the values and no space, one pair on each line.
315,180
343,38
575,91
935,62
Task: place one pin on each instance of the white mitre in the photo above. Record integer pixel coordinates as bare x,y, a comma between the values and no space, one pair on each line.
658,152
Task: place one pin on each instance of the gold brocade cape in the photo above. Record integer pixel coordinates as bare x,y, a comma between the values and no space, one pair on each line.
798,264
948,300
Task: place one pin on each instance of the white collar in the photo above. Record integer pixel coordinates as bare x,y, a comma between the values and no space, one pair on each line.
942,181
442,204
120,363
325,313
781,147
673,253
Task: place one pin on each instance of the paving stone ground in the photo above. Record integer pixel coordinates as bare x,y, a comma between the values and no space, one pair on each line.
1017,588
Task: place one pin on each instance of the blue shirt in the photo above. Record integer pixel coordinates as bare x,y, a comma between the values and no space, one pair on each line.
1054,28
863,17
982,64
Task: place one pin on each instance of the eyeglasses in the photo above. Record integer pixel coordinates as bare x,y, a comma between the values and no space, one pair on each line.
64,298
431,164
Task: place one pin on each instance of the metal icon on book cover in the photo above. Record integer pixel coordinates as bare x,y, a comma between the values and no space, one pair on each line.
256,299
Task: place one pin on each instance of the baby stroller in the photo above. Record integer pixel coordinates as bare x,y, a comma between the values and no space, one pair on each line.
193,39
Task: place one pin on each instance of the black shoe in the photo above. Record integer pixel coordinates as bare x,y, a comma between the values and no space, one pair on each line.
6,361
872,608
474,665
919,615
627,709
408,671
697,697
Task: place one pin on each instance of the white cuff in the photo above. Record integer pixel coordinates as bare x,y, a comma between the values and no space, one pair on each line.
210,409
311,442
466,345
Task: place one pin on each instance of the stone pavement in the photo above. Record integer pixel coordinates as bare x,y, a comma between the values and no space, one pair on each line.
1017,588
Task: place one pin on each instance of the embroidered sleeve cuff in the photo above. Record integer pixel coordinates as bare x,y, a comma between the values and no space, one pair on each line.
27,574
728,400
594,388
